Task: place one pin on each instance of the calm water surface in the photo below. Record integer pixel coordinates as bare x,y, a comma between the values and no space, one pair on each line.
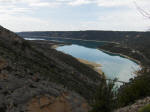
114,66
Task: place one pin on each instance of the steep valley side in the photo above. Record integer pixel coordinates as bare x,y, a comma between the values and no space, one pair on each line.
29,70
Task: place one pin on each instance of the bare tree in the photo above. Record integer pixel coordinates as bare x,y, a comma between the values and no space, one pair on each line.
142,11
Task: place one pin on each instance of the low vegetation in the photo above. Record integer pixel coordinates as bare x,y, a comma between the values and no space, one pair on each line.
134,90
104,100
145,108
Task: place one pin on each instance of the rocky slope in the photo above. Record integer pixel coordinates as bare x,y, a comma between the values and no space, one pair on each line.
34,78
136,106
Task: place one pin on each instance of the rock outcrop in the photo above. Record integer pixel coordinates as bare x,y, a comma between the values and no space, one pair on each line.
64,103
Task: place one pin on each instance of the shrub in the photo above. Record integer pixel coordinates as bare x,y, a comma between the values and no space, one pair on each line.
107,98
104,100
136,89
145,108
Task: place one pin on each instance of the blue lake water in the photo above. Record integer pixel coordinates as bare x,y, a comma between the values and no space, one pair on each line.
114,66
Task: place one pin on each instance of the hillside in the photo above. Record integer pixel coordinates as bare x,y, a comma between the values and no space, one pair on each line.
133,45
90,35
139,42
124,37
30,72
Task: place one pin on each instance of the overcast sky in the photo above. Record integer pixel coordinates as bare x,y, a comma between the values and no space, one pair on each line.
52,15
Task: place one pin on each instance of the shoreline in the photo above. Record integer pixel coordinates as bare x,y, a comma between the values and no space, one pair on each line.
96,66
92,65
56,46
125,56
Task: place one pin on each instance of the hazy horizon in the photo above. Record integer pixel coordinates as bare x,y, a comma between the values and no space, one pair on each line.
77,31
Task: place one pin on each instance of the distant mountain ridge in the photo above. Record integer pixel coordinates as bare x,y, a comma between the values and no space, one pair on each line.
89,35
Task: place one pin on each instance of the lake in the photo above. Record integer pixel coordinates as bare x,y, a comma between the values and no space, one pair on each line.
114,66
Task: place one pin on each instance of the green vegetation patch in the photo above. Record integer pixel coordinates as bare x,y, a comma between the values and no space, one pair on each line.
145,108
134,90
104,100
